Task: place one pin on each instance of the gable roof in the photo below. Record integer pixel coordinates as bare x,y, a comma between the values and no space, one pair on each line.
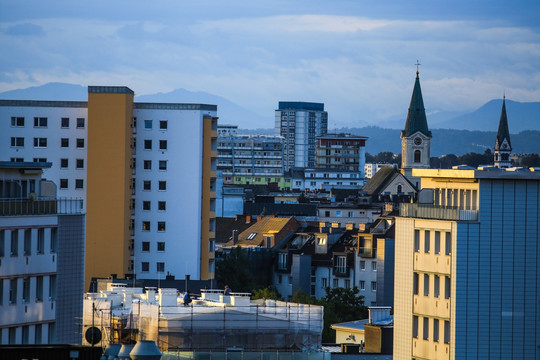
254,235
416,118
503,132
381,179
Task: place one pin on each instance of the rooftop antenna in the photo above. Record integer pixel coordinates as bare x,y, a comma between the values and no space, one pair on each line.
417,67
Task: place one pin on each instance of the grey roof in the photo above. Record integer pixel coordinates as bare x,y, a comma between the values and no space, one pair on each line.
356,324
382,178
416,118
503,132
24,165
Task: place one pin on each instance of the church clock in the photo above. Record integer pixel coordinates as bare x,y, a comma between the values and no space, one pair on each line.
417,141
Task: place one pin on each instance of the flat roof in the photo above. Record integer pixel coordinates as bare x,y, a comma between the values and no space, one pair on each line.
24,165
480,173
84,104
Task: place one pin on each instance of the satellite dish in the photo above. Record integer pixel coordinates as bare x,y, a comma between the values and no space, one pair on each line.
92,335
32,196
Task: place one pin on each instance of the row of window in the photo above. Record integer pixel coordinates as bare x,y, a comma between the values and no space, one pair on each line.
39,239
160,267
160,226
41,142
24,334
435,326
147,185
42,122
148,124
347,284
146,246
27,289
64,184
148,144
147,164
426,280
161,205
436,241
363,265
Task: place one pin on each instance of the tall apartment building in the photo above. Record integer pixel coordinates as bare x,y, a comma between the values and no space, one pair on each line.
341,152
41,258
466,266
300,123
136,165
250,159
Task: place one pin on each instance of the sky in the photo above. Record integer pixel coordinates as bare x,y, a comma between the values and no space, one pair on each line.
358,57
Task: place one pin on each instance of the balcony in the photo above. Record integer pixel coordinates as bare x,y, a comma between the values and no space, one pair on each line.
427,211
52,206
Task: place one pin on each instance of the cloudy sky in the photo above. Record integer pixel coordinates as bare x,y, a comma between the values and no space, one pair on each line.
355,56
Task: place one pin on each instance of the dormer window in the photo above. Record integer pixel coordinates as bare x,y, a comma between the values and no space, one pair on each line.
321,241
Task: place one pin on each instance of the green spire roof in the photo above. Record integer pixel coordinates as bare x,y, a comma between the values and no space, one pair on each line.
416,119
503,132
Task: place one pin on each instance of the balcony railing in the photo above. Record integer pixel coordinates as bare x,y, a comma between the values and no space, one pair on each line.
50,206
427,211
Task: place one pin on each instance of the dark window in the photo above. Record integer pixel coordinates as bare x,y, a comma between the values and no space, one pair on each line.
448,244
416,240
39,160
80,123
415,283
40,122
435,329
162,185
147,164
163,124
426,241
40,142
447,332
160,267
27,242
437,242
162,205
148,144
17,141
161,226
64,142
163,144
145,246
52,287
146,225
12,291
160,246
63,183
426,328
39,288
426,285
145,266
79,183
146,205
417,156
80,164
17,121
41,241
147,185
436,286
446,287
80,143
148,124
64,122
415,326
64,163
162,164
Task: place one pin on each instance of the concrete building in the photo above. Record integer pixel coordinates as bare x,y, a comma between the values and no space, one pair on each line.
41,258
466,266
121,157
316,179
299,123
503,146
370,169
341,152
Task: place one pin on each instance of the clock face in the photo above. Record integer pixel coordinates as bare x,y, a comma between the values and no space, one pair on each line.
417,141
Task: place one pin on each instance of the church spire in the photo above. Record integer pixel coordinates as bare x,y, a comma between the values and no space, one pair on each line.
416,118
503,146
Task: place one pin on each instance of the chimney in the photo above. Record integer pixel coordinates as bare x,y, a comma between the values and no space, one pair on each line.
248,219
234,237
259,218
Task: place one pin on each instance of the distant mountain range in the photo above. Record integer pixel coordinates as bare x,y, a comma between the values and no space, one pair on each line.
481,124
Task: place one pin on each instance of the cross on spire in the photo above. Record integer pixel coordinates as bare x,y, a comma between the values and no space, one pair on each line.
417,65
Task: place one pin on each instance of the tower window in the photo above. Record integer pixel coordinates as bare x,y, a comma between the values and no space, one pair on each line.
417,156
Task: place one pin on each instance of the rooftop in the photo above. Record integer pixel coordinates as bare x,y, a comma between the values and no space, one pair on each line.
480,173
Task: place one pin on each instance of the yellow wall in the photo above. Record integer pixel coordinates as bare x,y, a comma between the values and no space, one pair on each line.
108,184
208,193
343,336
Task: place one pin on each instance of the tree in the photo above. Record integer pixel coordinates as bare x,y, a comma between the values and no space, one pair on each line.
303,199
244,270
266,293
301,297
341,305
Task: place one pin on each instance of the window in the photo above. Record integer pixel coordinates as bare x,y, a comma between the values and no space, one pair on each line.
148,144
146,225
162,205
146,205
147,165
145,246
38,333
162,185
373,286
417,156
145,266
252,236
80,123
417,240
335,283
26,290
447,332
341,264
425,331
162,164
40,122
80,143
13,291
321,241
163,124
17,142
80,164
426,285
324,283
435,330
14,250
163,144
52,287
362,265
27,242
373,266
415,326
437,242
426,241
160,246
282,261
39,288
362,285
161,226
2,245
160,267
415,283
79,183
64,163
211,246
12,334
17,121
436,286
447,287
64,123
51,333
54,240
41,241
347,283
147,185
40,142
63,183
448,244
13,159
148,124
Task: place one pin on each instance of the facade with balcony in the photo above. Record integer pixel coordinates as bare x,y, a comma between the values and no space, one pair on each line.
41,258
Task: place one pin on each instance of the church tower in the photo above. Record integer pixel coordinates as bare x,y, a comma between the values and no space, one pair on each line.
503,146
416,137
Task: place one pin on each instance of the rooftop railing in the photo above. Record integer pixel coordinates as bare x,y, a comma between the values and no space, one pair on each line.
428,211
45,206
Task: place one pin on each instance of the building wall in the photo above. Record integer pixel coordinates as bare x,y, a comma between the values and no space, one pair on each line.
109,182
